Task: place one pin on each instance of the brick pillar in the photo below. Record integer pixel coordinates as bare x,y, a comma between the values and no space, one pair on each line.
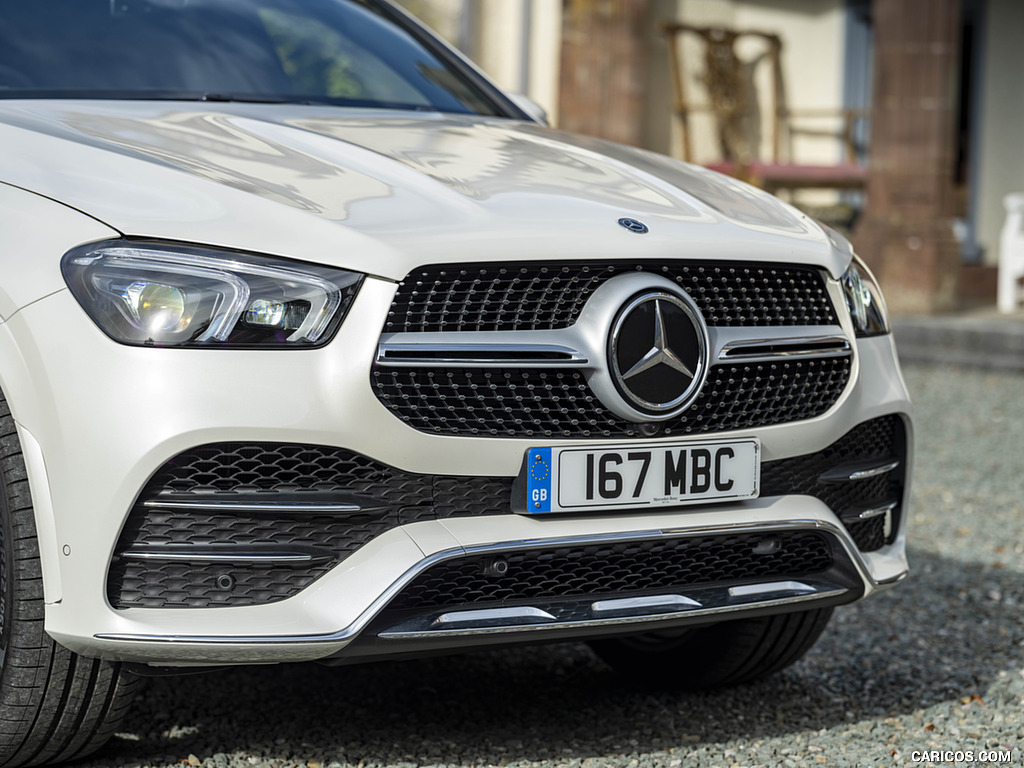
603,73
905,233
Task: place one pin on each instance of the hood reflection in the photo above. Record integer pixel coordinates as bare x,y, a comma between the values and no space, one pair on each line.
336,167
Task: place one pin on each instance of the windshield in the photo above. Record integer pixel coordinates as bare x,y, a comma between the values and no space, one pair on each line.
344,52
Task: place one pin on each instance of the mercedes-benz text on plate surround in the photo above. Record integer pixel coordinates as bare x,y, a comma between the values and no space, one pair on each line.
330,353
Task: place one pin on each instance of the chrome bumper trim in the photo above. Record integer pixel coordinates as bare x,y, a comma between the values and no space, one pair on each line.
859,471
236,554
893,579
868,514
638,603
496,617
259,507
865,474
770,587
700,602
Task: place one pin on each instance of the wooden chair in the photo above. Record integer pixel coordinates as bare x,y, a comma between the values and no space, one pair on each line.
733,101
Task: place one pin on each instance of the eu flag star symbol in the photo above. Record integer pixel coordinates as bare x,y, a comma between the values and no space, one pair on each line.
540,470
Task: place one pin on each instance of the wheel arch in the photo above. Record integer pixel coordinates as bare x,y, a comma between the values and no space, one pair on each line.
35,232
16,386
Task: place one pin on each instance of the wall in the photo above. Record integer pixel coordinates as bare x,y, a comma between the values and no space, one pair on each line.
1002,120
605,73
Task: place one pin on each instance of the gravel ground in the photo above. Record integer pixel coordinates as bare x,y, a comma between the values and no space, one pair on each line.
936,664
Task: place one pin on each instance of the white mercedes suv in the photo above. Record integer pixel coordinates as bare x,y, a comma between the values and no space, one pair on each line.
314,346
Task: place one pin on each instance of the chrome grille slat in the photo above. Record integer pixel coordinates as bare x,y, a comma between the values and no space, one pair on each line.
574,347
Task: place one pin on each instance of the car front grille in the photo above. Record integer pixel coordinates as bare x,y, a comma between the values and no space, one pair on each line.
534,403
533,400
177,514
546,295
620,569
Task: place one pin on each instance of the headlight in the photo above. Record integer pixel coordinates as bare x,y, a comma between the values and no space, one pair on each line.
160,295
867,308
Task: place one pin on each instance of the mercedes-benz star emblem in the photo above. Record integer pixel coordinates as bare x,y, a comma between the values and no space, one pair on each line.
658,353
634,226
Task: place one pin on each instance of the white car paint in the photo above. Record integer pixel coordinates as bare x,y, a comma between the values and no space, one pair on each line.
304,183
368,191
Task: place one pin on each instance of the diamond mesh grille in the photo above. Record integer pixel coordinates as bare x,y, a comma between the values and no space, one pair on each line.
869,535
184,585
539,296
230,468
535,403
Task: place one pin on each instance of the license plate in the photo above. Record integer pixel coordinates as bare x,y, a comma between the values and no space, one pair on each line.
641,476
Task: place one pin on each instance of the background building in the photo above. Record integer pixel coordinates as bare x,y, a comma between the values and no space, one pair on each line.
940,143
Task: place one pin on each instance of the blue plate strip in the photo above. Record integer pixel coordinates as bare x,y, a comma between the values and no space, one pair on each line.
538,480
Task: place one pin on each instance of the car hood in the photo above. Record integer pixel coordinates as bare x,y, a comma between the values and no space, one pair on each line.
383,192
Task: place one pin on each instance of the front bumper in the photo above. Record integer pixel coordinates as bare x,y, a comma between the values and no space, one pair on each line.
382,575
103,418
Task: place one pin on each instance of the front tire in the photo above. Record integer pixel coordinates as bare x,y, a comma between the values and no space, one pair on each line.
728,653
54,704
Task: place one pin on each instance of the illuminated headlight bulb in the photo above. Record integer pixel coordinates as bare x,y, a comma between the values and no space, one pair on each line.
285,316
265,313
158,308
